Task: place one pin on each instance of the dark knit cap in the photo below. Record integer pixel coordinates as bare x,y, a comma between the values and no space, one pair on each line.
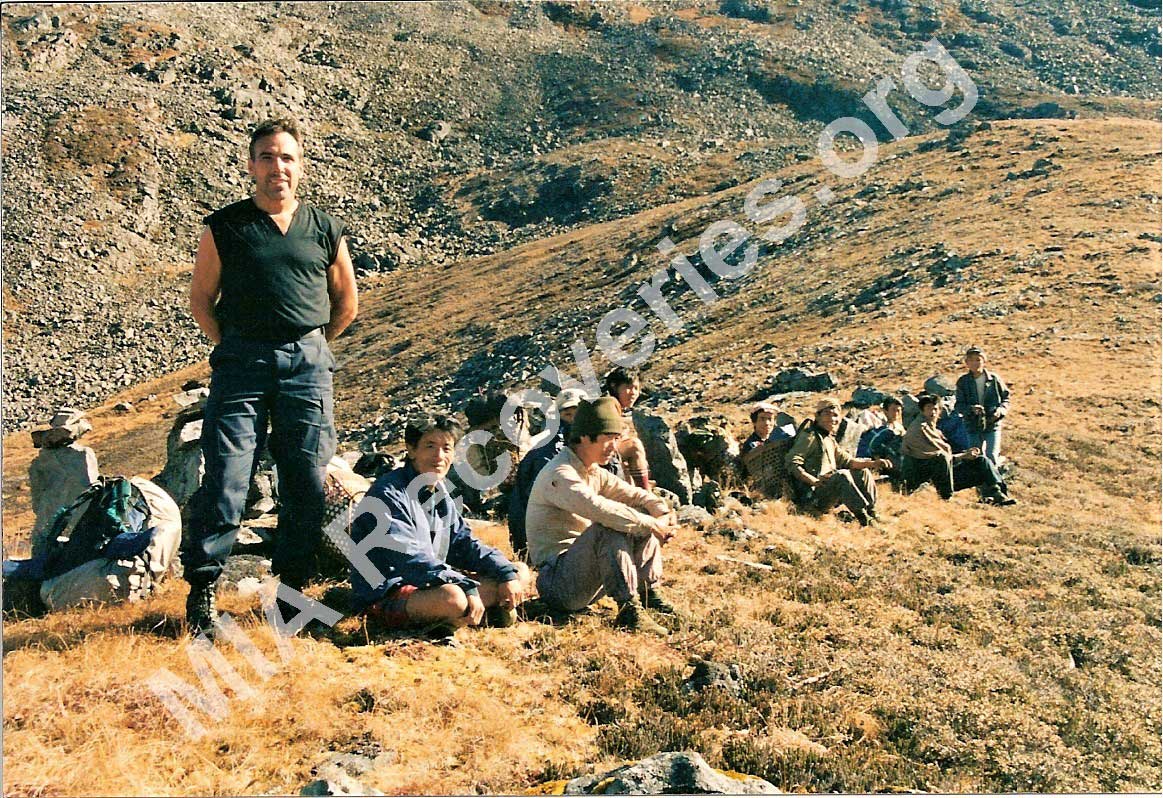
602,416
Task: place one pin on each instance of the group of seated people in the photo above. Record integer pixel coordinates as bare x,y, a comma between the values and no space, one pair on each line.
953,448
583,515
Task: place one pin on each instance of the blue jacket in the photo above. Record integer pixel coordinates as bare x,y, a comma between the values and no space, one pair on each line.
527,472
997,397
430,548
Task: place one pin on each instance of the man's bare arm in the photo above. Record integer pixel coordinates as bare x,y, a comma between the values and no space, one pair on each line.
341,290
205,286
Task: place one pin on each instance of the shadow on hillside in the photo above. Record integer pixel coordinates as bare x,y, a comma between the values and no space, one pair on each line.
358,630
155,623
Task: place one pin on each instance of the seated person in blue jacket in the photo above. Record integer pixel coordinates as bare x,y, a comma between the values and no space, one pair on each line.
764,429
983,399
433,570
566,403
884,442
928,457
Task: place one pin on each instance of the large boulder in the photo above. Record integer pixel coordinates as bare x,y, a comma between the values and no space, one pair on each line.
940,385
793,380
185,466
56,477
670,773
182,474
867,396
668,467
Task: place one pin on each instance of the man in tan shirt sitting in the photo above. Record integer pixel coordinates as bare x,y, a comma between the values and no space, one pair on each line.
928,457
592,534
825,475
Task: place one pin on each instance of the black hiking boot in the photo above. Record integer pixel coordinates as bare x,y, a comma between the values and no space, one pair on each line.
632,617
201,610
1001,499
653,600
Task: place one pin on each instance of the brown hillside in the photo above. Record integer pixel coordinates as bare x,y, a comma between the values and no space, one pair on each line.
967,648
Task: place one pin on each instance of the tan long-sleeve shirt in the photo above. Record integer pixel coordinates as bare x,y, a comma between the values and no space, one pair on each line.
923,441
567,497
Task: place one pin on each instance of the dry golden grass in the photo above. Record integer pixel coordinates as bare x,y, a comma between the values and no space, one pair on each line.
964,648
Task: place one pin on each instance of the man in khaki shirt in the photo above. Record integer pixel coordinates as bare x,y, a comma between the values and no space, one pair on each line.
825,475
592,534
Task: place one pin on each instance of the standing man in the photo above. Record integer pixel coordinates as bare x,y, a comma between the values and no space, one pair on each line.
273,283
983,401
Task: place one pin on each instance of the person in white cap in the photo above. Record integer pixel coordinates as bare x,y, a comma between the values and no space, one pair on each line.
764,429
566,403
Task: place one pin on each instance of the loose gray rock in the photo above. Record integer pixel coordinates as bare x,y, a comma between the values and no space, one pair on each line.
909,407
709,496
692,515
670,773
715,675
340,785
66,426
782,419
194,396
940,385
667,465
865,396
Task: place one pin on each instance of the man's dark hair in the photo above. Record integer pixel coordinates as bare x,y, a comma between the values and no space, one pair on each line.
480,410
618,377
890,401
272,126
418,427
926,399
756,411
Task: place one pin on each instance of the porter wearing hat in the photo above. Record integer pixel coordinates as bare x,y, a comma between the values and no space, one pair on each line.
763,428
826,475
592,534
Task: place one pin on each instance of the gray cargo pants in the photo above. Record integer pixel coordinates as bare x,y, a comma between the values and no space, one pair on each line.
602,562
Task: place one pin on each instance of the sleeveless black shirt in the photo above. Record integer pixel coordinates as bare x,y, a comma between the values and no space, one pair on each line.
273,286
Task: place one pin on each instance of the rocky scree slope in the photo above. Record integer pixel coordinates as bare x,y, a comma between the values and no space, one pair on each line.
442,131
